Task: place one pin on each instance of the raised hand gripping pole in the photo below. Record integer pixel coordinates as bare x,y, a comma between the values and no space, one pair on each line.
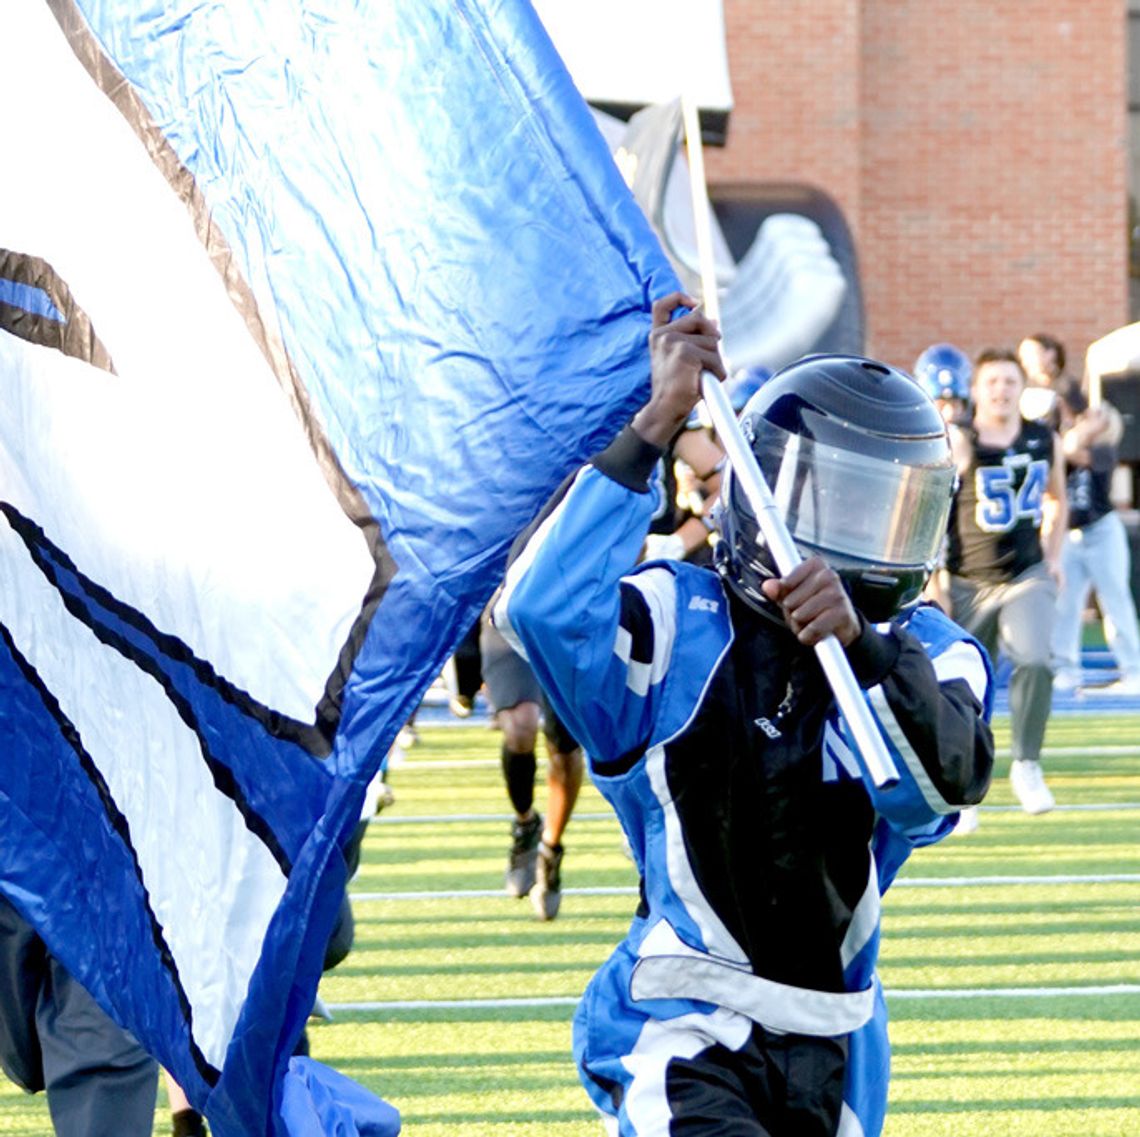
865,734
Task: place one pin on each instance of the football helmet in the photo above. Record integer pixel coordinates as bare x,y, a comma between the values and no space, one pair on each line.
944,372
858,460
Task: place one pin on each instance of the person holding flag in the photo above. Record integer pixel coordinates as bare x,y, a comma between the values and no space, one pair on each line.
745,994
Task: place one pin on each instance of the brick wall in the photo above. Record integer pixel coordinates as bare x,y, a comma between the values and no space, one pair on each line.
976,147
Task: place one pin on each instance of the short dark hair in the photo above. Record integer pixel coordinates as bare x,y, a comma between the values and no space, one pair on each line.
1051,343
998,355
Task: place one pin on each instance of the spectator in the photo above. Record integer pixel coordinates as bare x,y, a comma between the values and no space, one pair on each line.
1042,358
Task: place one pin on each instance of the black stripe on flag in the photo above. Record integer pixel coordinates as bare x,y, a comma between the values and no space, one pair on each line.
120,825
47,557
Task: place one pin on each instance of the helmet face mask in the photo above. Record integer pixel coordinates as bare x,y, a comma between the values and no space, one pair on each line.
858,461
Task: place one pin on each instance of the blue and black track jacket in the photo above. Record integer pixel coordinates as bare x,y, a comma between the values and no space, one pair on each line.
763,848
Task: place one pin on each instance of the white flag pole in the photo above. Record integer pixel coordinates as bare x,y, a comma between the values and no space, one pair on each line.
849,697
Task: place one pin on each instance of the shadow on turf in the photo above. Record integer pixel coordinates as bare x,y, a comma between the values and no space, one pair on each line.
1070,1104
532,934
482,1117
1123,957
1028,1046
455,966
1029,907
1104,1008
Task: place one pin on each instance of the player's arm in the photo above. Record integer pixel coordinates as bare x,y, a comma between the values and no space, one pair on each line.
1055,515
703,455
933,723
565,607
706,458
929,706
932,708
600,644
1093,437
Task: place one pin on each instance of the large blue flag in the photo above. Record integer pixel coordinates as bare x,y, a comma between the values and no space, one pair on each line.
305,306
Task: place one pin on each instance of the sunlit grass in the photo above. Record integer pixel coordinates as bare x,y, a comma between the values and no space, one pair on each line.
1040,1066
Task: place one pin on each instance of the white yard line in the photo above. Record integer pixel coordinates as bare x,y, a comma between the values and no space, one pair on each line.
892,996
1084,807
505,818
904,882
1078,751
446,763
451,1004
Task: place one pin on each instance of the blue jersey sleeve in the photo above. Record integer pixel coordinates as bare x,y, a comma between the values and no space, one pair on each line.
933,709
598,636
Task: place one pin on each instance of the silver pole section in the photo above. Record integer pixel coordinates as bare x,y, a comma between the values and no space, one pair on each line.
864,732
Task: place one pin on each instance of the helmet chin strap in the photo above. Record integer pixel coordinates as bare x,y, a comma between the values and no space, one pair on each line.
756,601
761,605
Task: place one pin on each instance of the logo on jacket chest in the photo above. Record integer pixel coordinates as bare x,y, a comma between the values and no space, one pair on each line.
703,604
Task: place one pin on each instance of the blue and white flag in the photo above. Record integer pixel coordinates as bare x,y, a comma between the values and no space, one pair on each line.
305,307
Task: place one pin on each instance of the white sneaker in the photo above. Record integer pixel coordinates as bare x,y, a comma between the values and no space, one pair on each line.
1067,682
320,1010
1028,784
967,821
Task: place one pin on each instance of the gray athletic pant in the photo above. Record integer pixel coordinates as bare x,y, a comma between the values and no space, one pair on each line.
54,1036
1015,618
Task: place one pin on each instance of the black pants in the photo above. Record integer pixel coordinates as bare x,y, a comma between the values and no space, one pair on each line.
776,1085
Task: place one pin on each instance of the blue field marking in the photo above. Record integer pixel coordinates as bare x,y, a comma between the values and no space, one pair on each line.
1098,669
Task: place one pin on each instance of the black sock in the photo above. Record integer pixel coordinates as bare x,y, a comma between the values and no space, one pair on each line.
518,770
188,1123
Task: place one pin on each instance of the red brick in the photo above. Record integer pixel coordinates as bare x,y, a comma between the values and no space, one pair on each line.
977,149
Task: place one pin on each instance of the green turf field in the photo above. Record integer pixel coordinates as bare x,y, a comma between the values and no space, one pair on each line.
996,1026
